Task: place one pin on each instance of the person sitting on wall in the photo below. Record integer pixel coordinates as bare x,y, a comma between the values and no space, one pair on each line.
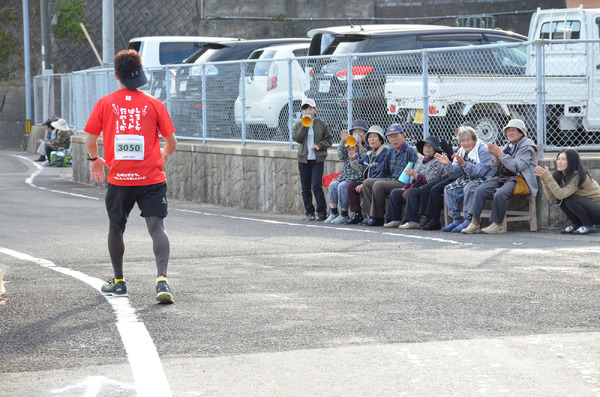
63,138
377,190
48,136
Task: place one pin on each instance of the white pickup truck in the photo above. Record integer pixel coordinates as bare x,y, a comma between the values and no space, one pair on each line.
570,83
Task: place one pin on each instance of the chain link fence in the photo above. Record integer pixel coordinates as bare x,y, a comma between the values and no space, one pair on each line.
553,86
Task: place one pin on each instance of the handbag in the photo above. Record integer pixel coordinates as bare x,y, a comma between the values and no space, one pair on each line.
58,158
521,187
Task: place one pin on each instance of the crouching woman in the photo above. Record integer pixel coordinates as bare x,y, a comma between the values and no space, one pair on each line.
578,194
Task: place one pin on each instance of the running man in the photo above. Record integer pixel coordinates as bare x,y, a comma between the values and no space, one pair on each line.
130,122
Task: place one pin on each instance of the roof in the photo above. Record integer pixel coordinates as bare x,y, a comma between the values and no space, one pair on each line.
207,39
386,29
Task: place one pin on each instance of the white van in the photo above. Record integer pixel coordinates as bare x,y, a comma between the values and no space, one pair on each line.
163,50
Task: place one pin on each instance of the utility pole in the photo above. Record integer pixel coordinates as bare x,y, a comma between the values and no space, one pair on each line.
46,38
108,31
27,68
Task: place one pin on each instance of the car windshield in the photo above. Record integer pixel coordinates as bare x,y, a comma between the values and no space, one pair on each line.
344,45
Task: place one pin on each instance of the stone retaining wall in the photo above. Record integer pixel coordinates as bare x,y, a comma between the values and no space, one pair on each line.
265,178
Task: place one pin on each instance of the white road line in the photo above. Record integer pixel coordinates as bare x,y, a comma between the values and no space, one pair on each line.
148,373
343,229
39,167
347,230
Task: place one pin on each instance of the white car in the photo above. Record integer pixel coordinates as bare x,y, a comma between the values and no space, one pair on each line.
267,86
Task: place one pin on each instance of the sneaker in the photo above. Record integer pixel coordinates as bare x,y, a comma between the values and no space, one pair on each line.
321,217
46,162
409,225
111,289
41,158
431,226
569,229
340,219
392,224
331,217
494,228
460,227
373,222
163,292
585,230
449,227
355,219
310,217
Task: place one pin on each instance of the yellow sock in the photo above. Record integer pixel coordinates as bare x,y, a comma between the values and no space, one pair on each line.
118,280
161,278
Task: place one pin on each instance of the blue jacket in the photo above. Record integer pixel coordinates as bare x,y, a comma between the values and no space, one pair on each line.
371,164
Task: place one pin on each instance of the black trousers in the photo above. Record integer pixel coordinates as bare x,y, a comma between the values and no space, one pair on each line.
427,200
581,211
311,179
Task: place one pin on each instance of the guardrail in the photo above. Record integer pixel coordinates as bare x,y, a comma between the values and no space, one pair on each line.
429,91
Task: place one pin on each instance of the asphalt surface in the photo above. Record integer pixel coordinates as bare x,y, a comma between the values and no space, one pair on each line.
272,305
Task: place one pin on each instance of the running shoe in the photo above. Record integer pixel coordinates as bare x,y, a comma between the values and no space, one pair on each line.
111,289
163,292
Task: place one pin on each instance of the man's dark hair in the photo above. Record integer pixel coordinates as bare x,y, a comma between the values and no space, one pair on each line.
127,60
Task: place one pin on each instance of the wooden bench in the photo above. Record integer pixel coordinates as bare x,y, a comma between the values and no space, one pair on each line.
512,215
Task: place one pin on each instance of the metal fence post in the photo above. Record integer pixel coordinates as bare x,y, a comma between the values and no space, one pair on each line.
425,94
203,101
349,77
168,89
540,96
243,97
290,102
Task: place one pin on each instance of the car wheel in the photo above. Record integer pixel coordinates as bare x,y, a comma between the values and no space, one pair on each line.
489,128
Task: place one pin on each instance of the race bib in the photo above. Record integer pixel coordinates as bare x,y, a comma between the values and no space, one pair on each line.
129,147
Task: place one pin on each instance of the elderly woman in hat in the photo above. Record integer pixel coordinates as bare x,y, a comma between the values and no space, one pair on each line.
338,188
426,169
61,140
518,157
469,169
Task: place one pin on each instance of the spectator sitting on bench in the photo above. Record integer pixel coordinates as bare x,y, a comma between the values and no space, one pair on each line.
427,168
49,136
518,157
377,190
471,166
338,188
370,166
578,194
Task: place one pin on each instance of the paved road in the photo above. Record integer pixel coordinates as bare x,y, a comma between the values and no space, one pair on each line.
270,304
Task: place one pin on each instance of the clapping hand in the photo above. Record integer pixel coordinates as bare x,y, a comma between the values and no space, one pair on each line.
442,158
540,170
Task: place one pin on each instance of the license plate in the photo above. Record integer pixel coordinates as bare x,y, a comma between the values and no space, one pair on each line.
324,85
183,85
418,116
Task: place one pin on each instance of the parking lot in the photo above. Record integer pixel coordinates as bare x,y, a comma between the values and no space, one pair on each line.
270,304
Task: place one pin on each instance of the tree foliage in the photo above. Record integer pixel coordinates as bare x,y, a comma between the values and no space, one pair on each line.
68,14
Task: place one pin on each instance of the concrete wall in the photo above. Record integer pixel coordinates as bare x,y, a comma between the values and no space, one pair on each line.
12,117
265,179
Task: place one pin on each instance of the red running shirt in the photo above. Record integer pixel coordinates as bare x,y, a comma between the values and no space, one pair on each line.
130,121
